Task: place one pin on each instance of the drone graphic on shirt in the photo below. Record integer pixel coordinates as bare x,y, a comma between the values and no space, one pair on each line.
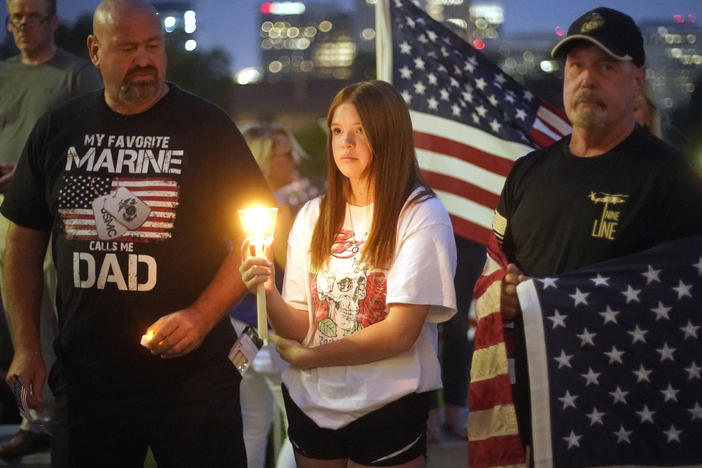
606,226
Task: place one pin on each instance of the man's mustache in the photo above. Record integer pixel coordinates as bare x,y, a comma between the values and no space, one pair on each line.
585,95
137,70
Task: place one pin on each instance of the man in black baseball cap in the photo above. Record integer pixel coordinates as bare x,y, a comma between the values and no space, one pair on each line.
611,30
609,189
604,58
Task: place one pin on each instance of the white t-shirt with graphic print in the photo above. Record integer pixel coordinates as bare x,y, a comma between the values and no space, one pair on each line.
347,296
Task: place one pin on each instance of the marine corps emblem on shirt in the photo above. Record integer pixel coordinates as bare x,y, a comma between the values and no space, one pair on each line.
605,226
594,21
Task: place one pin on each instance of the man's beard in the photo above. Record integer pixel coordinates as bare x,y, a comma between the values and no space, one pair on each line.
139,91
588,118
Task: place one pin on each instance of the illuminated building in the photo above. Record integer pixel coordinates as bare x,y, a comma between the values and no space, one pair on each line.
179,17
524,55
484,23
452,13
673,59
298,39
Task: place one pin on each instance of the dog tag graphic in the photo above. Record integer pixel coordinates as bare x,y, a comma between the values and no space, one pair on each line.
106,225
127,208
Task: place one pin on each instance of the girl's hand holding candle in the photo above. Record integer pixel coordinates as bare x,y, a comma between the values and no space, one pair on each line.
259,225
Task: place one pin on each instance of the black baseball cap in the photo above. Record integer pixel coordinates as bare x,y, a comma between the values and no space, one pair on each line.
611,30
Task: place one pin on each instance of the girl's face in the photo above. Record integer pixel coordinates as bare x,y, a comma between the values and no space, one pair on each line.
350,146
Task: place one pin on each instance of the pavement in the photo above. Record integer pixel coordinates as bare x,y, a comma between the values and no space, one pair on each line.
450,452
35,460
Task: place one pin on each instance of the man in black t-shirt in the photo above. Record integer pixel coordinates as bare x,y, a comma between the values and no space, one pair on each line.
608,190
137,187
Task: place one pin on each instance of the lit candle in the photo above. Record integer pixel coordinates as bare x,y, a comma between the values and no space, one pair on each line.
145,339
259,224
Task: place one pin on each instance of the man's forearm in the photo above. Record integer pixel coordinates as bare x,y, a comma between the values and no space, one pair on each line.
223,292
23,283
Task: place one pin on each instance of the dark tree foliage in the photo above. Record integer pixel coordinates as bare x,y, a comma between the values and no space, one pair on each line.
313,139
364,66
685,130
202,72
74,38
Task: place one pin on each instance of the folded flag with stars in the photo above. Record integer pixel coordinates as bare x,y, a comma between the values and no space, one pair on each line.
470,119
615,361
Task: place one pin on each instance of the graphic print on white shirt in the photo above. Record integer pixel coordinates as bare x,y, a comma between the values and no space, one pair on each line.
421,272
347,296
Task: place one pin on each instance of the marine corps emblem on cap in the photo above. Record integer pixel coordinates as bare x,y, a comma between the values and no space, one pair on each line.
614,32
593,22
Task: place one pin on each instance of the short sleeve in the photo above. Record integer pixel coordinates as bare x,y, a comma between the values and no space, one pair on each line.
505,205
425,263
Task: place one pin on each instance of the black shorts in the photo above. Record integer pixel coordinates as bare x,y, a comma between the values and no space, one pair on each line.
391,435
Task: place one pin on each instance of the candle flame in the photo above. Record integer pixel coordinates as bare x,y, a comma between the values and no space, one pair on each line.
149,335
259,224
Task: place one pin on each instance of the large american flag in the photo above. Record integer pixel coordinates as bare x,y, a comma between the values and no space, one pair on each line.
79,191
615,361
471,120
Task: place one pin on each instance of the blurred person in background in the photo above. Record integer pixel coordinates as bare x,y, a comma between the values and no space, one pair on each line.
33,82
278,154
646,112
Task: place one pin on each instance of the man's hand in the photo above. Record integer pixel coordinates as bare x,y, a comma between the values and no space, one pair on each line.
7,170
28,366
509,302
292,351
178,333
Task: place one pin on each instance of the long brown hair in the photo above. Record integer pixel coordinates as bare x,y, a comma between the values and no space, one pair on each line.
394,172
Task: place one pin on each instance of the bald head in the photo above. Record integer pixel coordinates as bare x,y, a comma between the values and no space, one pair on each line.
127,47
109,12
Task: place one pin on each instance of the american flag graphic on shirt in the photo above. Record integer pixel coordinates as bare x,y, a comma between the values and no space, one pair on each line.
79,191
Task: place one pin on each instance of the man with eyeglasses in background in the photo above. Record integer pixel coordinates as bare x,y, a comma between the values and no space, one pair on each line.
41,77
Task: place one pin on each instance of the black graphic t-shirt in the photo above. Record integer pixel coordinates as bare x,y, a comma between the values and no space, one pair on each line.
141,209
559,212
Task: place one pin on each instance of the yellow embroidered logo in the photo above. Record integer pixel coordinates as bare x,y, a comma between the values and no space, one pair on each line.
606,226
499,226
594,21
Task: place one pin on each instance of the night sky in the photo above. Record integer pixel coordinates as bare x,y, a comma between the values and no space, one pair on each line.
233,24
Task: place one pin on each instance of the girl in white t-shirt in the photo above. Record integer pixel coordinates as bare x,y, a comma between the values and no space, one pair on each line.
369,274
